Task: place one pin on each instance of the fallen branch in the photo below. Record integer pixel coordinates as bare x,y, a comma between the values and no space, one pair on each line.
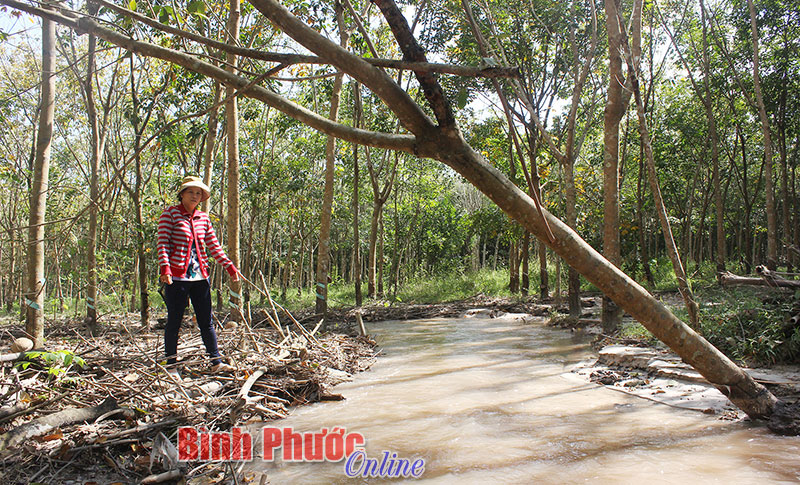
768,278
162,477
42,425
13,410
12,357
773,279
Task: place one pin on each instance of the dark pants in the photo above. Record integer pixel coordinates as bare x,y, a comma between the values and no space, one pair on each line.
177,295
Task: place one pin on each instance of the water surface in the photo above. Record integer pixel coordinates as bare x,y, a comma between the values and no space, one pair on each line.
493,401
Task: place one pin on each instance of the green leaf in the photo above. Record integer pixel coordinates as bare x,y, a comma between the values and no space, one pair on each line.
461,98
132,5
164,14
68,359
197,7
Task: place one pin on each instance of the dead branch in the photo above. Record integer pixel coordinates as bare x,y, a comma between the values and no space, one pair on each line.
12,357
42,425
162,477
768,278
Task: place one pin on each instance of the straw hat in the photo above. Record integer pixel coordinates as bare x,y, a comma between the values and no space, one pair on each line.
191,181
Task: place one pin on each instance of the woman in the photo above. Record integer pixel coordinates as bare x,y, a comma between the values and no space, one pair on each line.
184,233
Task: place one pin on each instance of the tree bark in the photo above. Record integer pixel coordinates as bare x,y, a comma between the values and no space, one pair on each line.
323,249
772,224
34,301
94,189
356,265
232,127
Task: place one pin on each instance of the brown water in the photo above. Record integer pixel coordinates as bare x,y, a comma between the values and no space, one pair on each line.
493,401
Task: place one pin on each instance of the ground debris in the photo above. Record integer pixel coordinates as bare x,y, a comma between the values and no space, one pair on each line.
124,364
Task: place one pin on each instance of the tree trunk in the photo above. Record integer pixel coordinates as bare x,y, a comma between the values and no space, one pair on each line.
544,280
380,257
513,265
34,301
356,264
11,288
645,254
232,127
672,250
377,207
94,189
617,99
772,225
211,142
573,278
144,294
323,250
526,245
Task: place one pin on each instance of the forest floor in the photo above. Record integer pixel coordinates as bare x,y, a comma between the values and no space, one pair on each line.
103,409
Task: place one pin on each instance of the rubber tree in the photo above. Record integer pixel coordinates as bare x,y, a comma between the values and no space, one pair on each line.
324,247
34,295
772,220
442,140
617,99
232,127
566,155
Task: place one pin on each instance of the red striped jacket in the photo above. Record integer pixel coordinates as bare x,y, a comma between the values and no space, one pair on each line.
177,230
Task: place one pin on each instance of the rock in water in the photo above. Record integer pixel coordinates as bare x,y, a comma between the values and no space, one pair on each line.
22,344
786,419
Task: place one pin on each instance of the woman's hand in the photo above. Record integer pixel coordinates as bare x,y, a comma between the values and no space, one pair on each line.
166,278
235,276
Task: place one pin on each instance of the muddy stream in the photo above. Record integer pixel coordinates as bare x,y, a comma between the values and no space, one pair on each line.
485,400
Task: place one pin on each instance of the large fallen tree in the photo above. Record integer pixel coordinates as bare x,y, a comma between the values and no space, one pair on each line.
766,278
442,140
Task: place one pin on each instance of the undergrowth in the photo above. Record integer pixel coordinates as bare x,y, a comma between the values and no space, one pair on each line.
746,323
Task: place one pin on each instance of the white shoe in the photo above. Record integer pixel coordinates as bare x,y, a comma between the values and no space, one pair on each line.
174,373
222,368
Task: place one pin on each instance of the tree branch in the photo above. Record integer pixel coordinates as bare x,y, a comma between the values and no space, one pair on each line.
289,59
413,52
411,115
84,24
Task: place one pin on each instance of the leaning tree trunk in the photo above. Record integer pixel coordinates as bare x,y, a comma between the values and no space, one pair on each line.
34,315
672,249
232,126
